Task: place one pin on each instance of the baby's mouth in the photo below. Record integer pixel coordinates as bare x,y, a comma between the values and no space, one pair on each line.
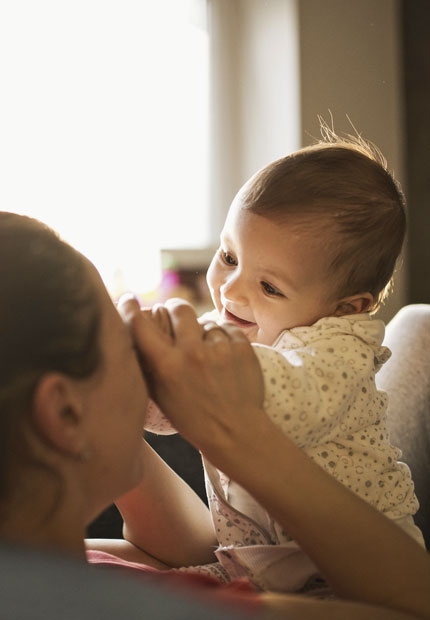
229,316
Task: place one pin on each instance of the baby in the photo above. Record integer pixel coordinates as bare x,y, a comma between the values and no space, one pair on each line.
306,256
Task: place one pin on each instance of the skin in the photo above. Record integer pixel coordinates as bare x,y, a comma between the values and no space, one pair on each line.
267,277
117,400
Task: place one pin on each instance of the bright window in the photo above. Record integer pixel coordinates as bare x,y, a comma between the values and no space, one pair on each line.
104,127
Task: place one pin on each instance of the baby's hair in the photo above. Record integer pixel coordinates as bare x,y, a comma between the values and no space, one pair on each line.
340,186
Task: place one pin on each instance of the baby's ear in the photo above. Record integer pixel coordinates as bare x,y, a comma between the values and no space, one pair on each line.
354,304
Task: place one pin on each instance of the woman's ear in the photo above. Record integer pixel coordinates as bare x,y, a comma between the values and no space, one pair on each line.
354,304
57,414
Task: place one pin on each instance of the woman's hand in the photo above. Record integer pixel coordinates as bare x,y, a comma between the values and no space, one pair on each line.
205,378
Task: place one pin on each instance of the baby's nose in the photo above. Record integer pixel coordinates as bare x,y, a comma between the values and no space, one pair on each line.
234,290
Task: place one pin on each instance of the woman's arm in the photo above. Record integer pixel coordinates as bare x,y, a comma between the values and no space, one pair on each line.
362,554
211,389
165,523
165,518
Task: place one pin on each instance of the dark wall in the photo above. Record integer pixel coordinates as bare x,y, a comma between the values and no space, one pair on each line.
416,44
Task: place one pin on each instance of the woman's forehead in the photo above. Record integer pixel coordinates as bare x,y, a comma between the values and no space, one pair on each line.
109,314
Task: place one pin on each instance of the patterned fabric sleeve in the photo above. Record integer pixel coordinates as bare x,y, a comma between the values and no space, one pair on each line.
310,391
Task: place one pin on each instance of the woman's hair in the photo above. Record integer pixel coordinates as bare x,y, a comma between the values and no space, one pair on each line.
50,317
340,188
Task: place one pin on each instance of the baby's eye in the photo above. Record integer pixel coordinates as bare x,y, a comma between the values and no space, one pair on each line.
271,290
227,258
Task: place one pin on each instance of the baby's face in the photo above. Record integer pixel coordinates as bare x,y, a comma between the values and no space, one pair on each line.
267,277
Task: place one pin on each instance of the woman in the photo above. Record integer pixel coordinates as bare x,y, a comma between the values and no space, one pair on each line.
73,401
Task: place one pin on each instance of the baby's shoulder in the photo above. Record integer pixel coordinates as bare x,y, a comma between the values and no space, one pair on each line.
342,332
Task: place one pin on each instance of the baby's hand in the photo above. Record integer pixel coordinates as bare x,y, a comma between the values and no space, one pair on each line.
212,315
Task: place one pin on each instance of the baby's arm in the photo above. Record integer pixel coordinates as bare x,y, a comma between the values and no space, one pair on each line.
307,391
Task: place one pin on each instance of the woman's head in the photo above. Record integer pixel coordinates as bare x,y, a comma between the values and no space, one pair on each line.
50,316
64,351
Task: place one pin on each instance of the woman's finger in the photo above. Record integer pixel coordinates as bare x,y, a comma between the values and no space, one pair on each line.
161,316
214,332
128,307
153,345
150,329
184,321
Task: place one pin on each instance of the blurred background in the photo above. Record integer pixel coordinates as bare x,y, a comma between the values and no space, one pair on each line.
129,125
